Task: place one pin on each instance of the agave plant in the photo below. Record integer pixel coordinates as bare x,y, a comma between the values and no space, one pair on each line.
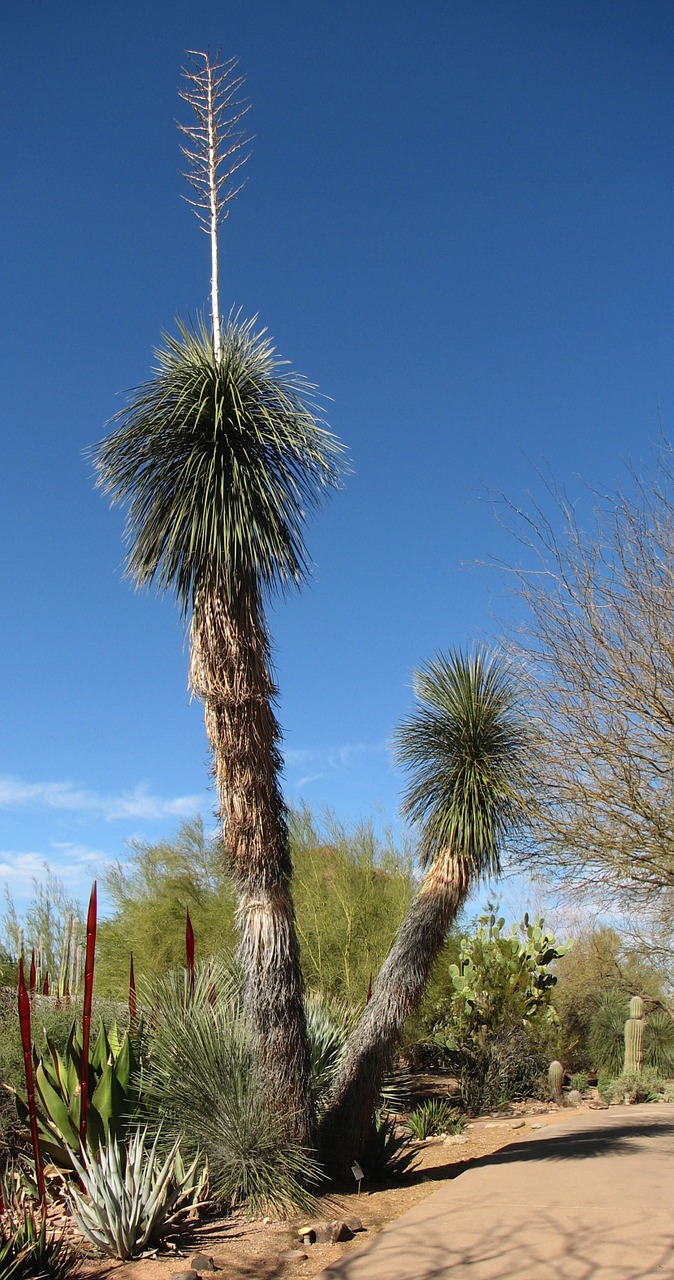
132,1194
113,1080
388,1153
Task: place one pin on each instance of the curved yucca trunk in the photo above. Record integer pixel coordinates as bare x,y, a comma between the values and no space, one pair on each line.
230,671
396,994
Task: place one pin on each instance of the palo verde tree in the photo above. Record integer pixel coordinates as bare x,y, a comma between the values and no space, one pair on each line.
218,458
467,748
597,638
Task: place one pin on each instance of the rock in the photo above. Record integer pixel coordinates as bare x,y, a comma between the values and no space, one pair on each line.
184,1275
518,1124
315,1233
202,1262
455,1140
292,1255
354,1224
341,1231
596,1102
574,1098
327,1232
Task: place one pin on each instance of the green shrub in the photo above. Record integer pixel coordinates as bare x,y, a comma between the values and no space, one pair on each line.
606,1036
433,1117
659,1042
388,1153
329,1024
501,1071
29,1249
201,1086
351,890
633,1086
580,1080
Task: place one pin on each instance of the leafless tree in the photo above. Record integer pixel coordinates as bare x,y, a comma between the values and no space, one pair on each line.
598,642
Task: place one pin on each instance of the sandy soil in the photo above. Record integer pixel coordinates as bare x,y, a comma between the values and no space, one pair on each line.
245,1250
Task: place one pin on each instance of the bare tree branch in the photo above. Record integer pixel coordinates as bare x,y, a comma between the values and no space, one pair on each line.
598,643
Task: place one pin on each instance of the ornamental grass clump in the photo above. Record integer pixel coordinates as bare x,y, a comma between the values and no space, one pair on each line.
201,1084
435,1116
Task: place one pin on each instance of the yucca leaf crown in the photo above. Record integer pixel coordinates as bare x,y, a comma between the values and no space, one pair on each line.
466,747
219,463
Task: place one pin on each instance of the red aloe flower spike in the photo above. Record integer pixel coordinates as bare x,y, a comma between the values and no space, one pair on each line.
189,947
27,1046
369,991
86,1015
132,996
45,985
33,973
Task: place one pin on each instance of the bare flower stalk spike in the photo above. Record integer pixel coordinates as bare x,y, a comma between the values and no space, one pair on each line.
214,151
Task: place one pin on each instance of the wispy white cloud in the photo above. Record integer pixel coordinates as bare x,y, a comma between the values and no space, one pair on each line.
317,762
138,803
21,867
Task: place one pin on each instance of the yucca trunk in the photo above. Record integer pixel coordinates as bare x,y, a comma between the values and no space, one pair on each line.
396,994
230,670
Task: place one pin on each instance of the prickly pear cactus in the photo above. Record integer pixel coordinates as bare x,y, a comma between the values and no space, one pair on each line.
556,1080
634,1036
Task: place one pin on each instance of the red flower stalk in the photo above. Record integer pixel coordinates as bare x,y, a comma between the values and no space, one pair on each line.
33,974
86,1015
189,947
132,996
45,985
27,1045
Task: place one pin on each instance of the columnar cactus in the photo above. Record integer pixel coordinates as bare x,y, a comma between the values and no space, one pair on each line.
556,1080
634,1036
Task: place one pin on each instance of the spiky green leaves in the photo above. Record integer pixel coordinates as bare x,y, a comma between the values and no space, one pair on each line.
467,748
219,463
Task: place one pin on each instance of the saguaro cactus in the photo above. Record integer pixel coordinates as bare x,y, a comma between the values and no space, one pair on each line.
556,1080
634,1036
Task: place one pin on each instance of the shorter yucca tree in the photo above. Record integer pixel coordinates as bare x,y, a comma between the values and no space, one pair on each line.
468,750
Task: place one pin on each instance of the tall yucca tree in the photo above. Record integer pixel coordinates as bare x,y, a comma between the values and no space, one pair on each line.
218,458
467,748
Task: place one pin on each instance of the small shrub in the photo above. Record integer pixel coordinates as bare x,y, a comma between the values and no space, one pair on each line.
433,1117
28,1249
388,1154
632,1086
329,1024
580,1080
500,1072
201,1086
606,1036
659,1043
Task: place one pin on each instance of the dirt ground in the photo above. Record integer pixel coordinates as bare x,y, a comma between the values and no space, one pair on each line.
245,1250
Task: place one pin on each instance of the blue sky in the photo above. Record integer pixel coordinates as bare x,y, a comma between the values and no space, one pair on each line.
458,222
